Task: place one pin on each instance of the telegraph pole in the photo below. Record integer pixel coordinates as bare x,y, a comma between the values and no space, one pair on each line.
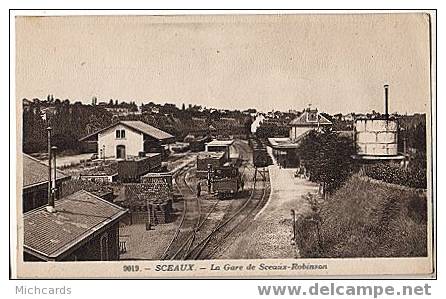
50,206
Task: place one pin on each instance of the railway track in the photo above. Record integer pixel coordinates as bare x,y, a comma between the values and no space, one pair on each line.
189,222
207,246
194,241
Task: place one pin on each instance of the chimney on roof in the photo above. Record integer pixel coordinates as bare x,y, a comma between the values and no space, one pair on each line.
386,101
50,207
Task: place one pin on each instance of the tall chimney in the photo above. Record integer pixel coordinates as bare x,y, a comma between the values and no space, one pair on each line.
50,206
386,99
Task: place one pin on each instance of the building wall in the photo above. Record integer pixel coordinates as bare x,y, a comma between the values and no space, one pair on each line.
295,132
89,146
92,251
37,196
133,141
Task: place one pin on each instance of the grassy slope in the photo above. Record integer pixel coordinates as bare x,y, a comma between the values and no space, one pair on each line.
369,219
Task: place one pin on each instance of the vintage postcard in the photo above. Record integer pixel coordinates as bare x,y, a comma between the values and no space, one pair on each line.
238,145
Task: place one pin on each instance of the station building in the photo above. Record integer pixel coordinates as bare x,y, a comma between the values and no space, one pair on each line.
285,149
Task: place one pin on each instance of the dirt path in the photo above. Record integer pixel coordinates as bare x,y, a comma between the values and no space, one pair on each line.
269,235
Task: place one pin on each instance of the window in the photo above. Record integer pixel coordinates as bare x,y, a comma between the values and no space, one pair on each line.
312,117
120,134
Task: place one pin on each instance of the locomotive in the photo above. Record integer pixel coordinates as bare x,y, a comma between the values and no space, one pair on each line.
226,180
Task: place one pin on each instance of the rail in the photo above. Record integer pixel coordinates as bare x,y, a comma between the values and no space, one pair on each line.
198,249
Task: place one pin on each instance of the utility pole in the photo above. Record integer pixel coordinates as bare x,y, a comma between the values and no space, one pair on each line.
50,206
54,189
293,217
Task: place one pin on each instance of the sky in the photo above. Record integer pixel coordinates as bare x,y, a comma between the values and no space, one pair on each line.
336,63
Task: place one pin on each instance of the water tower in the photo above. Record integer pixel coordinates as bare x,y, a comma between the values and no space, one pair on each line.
376,137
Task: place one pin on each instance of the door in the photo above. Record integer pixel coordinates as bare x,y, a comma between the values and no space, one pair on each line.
120,152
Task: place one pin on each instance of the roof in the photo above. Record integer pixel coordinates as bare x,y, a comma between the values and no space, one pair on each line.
220,143
77,217
138,126
282,143
287,143
210,155
148,129
305,121
35,172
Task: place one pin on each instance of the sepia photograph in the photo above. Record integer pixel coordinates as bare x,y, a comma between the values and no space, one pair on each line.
255,144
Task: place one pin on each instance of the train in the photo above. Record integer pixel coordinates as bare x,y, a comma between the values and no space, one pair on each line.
226,180
260,155
223,173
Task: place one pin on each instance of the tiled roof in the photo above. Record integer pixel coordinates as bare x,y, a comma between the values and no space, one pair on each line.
35,172
303,120
77,216
148,129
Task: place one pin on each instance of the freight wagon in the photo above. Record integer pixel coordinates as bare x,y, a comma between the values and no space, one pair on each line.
132,169
209,160
198,144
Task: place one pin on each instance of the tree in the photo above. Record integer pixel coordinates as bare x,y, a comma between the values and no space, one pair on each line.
328,157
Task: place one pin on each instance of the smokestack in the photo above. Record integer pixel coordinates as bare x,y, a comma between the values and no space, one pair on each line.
386,100
50,206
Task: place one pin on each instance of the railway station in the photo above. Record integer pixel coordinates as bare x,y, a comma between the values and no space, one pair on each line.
208,194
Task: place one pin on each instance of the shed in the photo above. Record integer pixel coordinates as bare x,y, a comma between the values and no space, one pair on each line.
84,227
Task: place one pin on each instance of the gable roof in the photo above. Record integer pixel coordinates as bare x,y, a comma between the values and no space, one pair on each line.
35,172
147,129
78,216
138,126
303,120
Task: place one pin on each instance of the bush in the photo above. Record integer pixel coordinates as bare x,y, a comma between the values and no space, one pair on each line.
414,177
